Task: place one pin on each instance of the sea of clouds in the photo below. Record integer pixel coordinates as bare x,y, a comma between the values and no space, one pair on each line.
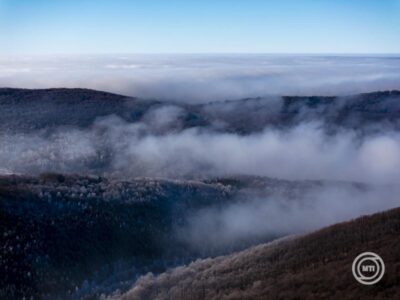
204,78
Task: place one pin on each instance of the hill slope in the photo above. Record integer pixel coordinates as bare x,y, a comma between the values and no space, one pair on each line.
314,266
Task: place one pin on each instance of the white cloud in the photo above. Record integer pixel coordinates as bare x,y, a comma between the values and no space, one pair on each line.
149,148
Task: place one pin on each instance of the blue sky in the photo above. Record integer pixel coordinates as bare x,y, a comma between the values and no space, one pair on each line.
174,26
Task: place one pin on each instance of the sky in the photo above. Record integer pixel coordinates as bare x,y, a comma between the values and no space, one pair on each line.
177,26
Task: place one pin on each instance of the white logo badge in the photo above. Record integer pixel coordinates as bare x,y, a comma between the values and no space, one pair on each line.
368,268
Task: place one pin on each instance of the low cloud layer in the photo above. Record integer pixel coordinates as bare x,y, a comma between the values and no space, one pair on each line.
204,78
115,148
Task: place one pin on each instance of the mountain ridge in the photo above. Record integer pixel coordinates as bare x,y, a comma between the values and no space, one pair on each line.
27,110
